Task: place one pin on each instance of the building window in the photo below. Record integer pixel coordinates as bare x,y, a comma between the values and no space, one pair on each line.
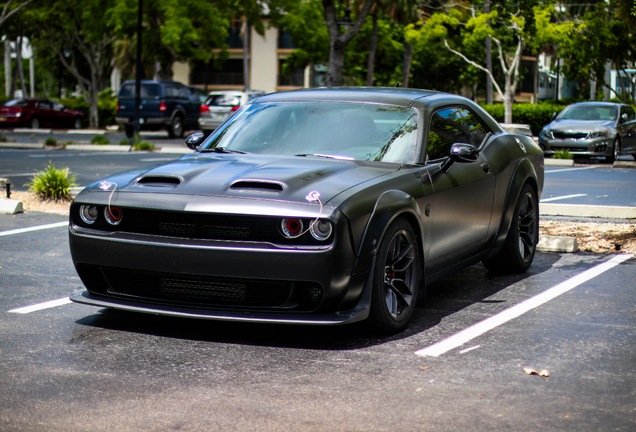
285,40
229,72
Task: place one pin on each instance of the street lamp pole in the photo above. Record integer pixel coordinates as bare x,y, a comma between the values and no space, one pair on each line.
138,76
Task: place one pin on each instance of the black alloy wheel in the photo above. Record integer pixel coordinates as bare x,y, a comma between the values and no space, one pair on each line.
518,251
397,275
616,150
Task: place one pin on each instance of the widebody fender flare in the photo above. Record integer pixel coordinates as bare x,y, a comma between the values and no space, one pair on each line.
524,173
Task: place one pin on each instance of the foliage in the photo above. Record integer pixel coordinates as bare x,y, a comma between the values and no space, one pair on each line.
144,146
52,184
537,116
100,140
125,141
562,154
50,141
106,104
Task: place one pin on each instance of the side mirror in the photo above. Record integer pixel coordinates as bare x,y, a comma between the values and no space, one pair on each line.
554,114
194,141
462,153
624,117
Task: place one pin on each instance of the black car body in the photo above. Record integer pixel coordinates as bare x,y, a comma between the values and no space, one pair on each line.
166,105
322,206
604,129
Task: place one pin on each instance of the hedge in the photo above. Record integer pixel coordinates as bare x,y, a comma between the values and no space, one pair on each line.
106,107
537,116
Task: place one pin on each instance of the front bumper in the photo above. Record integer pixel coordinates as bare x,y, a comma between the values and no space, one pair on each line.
582,147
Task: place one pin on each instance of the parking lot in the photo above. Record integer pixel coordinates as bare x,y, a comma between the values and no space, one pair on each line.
68,367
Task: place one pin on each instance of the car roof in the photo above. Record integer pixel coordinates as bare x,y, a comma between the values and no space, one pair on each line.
597,103
386,95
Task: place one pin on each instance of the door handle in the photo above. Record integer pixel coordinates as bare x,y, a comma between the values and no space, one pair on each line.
486,168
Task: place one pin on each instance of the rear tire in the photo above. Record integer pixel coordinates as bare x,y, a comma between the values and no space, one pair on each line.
520,246
34,123
77,123
396,278
175,130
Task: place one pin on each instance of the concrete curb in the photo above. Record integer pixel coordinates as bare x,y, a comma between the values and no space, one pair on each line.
95,147
557,244
9,206
558,162
577,210
624,164
175,150
37,146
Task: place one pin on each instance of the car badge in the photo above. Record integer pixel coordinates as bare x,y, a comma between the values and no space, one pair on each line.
104,185
313,196
521,146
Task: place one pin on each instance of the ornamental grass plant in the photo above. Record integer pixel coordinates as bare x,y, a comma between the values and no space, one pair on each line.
52,184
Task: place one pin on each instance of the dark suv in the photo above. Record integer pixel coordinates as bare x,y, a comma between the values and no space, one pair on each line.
164,104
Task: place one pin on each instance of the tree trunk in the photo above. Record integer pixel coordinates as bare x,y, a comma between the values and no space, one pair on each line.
372,49
18,57
93,99
336,64
246,56
406,69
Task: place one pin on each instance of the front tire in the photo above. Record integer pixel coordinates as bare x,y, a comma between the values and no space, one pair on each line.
396,278
176,127
518,251
616,151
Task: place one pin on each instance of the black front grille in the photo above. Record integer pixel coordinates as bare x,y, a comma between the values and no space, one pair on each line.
202,291
569,135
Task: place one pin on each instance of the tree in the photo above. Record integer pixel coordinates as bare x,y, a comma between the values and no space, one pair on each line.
509,34
338,40
8,11
82,39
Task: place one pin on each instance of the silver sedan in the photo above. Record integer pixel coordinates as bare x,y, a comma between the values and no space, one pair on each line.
592,129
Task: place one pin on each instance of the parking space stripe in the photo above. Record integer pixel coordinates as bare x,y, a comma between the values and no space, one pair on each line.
40,306
568,169
504,316
562,197
33,228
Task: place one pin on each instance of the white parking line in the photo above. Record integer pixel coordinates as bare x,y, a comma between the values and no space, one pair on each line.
33,228
569,169
40,306
504,316
562,197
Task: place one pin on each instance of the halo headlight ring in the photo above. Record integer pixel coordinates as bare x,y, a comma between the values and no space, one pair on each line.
321,230
88,214
291,227
113,215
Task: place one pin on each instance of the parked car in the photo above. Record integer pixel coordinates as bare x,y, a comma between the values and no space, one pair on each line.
164,105
35,113
592,129
221,104
321,206
198,94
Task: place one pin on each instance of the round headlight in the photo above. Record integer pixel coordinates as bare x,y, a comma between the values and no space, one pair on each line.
88,214
113,215
321,230
291,227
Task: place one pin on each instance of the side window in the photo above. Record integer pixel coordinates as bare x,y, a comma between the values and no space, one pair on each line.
44,105
451,126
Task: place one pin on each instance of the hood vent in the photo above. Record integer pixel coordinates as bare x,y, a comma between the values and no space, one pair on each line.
257,186
158,181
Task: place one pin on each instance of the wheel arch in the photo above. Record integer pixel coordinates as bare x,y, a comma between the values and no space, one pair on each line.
524,173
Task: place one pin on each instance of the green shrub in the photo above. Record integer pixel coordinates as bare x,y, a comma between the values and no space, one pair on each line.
563,154
145,145
52,184
4,139
537,116
50,141
100,140
124,142
106,107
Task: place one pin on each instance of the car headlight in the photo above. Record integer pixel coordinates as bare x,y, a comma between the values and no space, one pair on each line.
321,230
88,214
599,134
291,227
546,133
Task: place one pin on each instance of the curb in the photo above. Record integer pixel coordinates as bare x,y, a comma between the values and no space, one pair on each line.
558,162
95,147
624,164
557,244
37,146
9,206
175,150
590,211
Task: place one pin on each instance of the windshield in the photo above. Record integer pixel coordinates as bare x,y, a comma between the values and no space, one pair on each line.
589,112
322,129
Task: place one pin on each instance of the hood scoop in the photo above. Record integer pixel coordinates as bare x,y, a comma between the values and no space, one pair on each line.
257,186
159,181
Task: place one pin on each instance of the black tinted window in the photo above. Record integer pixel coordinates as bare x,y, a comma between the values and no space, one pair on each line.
451,126
148,91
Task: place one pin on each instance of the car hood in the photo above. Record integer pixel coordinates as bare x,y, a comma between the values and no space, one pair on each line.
252,176
579,125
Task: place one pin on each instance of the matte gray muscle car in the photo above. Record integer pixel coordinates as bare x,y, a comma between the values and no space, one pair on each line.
318,206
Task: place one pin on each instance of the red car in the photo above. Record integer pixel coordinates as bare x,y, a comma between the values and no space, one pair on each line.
35,113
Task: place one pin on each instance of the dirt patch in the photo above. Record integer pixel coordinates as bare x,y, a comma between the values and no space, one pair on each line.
591,236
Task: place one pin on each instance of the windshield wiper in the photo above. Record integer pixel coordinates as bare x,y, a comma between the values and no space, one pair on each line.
328,156
221,150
